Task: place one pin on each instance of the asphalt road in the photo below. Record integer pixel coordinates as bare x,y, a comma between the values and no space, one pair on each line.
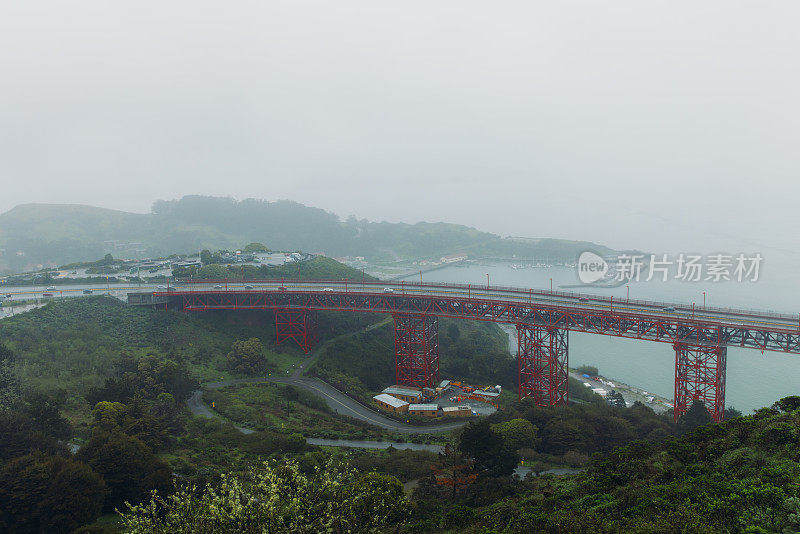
335,399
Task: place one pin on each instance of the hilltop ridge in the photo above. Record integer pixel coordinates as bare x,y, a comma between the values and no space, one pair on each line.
55,234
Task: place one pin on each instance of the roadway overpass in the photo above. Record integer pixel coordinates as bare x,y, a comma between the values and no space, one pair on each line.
700,335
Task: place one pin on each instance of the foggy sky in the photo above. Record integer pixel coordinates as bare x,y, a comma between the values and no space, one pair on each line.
657,125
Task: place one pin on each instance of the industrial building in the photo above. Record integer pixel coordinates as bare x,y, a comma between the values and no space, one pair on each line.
425,410
391,404
407,393
457,411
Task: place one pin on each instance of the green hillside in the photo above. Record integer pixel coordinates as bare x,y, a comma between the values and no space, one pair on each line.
35,234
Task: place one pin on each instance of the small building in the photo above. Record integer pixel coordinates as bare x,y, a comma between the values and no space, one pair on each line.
452,258
391,404
425,410
407,393
457,411
486,394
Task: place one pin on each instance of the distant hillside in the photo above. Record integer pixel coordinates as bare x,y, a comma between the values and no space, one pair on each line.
34,234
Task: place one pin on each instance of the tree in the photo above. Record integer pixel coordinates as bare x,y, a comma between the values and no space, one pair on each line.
9,384
155,376
517,433
590,370
255,247
696,416
205,257
787,404
491,454
274,497
43,409
454,470
732,413
42,493
560,436
616,399
247,357
109,416
128,466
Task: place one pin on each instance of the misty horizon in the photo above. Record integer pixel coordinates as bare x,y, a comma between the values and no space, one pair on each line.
629,125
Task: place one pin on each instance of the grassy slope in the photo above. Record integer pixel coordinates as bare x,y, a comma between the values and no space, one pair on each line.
73,344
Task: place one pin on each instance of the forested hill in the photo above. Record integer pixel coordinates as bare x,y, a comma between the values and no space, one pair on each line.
66,233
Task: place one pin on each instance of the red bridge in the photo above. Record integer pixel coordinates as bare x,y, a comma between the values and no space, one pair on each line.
700,336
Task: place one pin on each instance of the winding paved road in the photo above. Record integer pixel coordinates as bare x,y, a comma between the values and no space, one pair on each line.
335,399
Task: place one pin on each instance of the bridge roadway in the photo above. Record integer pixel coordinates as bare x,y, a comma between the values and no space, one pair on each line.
639,319
699,336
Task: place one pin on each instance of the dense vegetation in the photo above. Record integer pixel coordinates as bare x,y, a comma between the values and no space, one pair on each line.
109,382
738,476
64,234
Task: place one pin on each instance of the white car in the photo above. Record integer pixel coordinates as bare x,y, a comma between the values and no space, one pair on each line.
669,309
327,289
388,290
51,288
218,287
161,288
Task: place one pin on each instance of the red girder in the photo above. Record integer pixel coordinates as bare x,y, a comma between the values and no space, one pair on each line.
416,349
543,364
604,322
297,324
700,375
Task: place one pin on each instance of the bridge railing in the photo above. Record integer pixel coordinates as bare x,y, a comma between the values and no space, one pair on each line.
517,291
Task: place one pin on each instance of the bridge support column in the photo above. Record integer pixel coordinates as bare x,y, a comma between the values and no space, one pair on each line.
543,358
700,375
299,325
416,349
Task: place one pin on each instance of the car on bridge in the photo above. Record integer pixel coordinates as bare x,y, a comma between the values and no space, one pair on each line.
217,286
51,288
388,290
327,289
248,287
668,309
87,291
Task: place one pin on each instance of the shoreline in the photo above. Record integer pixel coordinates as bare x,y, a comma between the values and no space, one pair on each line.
630,393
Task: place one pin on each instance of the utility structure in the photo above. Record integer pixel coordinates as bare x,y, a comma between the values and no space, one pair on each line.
543,320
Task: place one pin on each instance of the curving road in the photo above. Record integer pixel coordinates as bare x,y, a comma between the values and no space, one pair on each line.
335,399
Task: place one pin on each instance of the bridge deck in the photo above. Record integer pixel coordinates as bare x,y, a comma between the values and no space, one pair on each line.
638,319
